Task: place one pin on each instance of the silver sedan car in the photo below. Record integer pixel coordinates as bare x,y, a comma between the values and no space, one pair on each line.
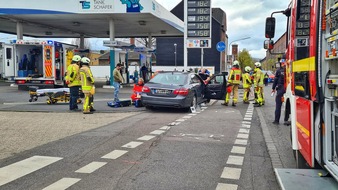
182,90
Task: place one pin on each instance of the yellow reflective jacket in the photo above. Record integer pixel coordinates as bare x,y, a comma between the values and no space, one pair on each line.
73,77
87,79
258,77
246,80
235,76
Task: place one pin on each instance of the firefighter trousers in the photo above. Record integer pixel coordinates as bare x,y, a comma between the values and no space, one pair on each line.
246,95
258,95
87,102
234,90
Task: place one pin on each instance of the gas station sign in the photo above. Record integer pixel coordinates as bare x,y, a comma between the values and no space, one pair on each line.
199,17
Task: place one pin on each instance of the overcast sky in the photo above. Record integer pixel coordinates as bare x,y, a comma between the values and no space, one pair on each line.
245,18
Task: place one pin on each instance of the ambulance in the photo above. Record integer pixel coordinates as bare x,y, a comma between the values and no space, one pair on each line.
41,63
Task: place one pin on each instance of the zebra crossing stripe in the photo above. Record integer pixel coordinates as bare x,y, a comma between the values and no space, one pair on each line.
62,184
24,167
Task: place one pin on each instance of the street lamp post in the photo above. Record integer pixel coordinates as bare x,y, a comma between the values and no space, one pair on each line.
175,56
230,46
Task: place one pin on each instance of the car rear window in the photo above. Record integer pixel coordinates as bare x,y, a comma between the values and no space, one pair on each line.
170,78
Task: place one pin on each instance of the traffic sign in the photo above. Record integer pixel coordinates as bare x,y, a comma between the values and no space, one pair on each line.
220,46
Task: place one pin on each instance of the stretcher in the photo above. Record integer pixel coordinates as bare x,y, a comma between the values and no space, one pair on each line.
53,95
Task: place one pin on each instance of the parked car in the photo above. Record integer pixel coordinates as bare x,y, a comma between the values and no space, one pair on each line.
182,90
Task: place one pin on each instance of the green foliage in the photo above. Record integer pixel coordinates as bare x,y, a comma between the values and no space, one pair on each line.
245,59
270,64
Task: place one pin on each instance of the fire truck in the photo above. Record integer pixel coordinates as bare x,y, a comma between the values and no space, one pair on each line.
311,97
41,63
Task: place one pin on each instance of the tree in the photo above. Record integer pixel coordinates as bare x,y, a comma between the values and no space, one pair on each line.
86,44
145,41
245,59
270,64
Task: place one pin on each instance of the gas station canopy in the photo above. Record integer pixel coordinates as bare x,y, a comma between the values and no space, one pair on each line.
89,18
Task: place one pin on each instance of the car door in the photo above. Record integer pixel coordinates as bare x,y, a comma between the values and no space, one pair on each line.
216,87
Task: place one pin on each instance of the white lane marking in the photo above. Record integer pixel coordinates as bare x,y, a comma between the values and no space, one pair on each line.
211,136
62,184
235,160
132,144
19,169
246,126
114,154
231,173
246,115
248,118
238,150
225,186
241,142
246,122
180,120
192,114
243,136
91,167
177,123
187,117
157,132
23,103
165,128
244,131
146,137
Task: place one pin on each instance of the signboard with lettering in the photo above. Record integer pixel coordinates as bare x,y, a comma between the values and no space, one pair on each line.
199,17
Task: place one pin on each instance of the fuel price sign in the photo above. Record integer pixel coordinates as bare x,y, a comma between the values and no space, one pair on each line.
199,19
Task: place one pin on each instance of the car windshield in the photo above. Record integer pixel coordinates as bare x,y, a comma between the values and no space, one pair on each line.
170,78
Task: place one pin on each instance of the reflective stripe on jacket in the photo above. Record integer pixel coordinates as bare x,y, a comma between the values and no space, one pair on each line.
247,80
87,84
73,76
235,76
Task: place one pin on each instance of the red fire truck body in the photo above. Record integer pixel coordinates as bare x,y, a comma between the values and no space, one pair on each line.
311,97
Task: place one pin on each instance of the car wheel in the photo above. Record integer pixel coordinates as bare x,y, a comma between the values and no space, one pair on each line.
193,103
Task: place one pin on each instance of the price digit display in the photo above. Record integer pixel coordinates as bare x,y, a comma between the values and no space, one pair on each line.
199,18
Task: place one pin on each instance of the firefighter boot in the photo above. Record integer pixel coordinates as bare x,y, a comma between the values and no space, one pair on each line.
233,104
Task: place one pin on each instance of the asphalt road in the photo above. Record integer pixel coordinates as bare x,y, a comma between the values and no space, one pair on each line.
132,148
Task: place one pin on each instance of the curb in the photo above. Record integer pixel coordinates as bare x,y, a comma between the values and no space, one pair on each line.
272,150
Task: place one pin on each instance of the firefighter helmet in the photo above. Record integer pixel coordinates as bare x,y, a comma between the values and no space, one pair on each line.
258,64
85,60
247,69
235,63
76,58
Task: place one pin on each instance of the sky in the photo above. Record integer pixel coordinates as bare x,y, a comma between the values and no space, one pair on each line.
245,18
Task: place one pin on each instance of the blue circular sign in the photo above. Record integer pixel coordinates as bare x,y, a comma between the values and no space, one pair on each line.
220,46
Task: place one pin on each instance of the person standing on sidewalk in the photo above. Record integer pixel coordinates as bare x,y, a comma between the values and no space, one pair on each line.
87,81
247,82
234,80
278,85
73,81
117,81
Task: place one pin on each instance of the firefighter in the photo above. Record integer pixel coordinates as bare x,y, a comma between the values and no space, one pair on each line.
88,87
247,82
278,85
258,84
73,81
233,80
